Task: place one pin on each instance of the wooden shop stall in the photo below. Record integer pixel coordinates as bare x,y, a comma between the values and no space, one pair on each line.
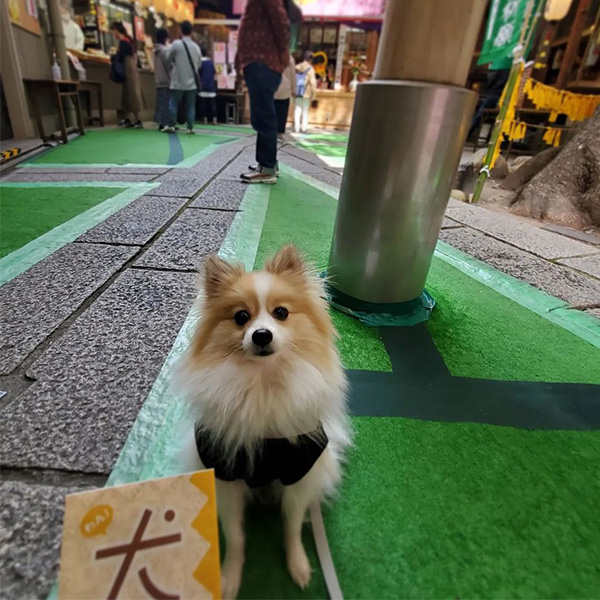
140,19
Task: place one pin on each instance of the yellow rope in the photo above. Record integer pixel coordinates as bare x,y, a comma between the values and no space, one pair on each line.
576,106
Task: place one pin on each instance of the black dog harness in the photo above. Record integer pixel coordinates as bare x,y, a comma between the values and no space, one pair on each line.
276,458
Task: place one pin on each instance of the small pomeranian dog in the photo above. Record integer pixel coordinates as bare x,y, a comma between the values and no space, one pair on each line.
268,396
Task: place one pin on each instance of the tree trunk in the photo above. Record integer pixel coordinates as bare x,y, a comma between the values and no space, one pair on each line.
567,190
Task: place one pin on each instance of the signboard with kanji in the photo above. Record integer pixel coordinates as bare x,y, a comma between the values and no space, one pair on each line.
154,539
503,30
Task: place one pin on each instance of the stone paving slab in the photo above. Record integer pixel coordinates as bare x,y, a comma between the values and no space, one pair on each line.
450,224
222,195
519,233
65,175
586,264
558,281
196,233
31,518
222,155
590,238
180,188
139,170
36,302
60,170
595,312
136,223
91,383
239,165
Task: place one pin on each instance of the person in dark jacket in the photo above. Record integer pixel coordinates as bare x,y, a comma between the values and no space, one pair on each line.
162,78
263,55
208,88
131,99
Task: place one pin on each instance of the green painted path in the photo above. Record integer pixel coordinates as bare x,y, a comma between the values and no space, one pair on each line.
128,147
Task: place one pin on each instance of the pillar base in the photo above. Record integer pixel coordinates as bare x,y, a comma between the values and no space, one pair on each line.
390,314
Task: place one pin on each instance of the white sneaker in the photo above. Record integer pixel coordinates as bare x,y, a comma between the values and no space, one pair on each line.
191,131
169,130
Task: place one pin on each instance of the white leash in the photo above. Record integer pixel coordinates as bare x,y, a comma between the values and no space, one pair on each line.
322,544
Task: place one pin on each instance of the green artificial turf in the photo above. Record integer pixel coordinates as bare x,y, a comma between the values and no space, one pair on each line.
324,149
460,510
326,137
483,334
125,146
265,570
27,213
224,127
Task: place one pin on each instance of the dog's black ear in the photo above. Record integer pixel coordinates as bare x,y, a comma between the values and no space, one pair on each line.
287,260
218,274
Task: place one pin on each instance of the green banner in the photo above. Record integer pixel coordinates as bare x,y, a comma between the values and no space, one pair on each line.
503,31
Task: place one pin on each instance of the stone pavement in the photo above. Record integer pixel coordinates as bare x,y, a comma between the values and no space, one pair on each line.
85,331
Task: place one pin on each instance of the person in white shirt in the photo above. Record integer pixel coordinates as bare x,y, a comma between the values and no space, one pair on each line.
184,58
74,39
286,90
306,92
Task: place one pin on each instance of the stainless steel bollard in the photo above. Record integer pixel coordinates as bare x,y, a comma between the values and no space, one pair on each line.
404,148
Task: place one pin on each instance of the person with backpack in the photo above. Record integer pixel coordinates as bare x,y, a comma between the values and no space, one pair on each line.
208,92
125,67
162,78
306,92
184,59
284,92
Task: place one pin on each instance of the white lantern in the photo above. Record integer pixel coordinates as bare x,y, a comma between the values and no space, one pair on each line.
555,10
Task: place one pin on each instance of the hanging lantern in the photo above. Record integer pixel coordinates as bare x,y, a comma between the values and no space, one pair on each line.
190,11
170,9
555,10
160,6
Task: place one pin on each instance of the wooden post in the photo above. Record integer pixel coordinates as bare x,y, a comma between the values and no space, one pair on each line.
589,45
429,40
577,28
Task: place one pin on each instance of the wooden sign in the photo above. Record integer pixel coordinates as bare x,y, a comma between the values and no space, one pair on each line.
154,539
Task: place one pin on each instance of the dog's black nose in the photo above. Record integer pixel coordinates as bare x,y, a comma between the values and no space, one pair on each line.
262,337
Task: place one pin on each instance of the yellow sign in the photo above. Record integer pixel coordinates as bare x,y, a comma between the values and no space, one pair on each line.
153,539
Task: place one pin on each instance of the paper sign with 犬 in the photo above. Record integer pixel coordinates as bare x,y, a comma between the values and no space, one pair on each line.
154,539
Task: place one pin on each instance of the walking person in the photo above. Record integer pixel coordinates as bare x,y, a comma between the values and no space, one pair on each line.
284,92
162,78
184,58
208,92
131,98
306,92
263,55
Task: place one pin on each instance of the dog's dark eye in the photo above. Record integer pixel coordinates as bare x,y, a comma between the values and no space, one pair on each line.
281,313
241,317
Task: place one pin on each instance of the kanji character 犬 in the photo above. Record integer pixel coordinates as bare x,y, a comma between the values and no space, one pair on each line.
129,550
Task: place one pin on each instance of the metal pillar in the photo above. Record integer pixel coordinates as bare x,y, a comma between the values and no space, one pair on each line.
404,149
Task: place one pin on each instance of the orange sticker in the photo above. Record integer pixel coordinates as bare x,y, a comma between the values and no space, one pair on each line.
96,520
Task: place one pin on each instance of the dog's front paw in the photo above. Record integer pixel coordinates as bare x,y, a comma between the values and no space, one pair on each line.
231,579
298,565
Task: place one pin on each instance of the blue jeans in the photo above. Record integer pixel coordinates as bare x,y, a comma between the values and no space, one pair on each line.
262,83
190,103
161,114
